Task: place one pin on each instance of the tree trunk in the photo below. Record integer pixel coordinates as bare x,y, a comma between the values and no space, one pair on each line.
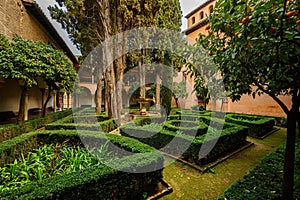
119,86
22,105
121,57
176,101
98,97
298,122
288,177
46,102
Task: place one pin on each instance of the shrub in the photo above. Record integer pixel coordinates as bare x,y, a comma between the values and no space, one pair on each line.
199,108
97,182
104,126
175,143
258,125
193,128
83,119
265,180
12,130
48,160
186,116
147,120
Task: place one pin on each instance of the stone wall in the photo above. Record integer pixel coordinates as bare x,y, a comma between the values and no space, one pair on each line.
16,19
261,105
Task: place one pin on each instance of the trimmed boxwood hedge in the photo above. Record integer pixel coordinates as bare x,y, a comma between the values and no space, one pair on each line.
231,138
12,130
185,116
104,126
84,119
193,128
258,125
265,180
147,120
100,182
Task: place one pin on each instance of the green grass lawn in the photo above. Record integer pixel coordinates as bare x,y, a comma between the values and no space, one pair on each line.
188,183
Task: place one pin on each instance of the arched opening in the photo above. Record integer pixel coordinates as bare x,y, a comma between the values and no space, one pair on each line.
84,97
201,15
211,9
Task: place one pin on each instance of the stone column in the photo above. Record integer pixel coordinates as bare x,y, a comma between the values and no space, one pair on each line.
54,101
69,100
157,93
65,101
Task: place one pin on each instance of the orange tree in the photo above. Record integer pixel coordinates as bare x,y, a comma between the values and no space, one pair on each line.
26,61
256,46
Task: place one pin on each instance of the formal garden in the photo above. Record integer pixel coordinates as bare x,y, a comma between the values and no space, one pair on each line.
145,136
56,162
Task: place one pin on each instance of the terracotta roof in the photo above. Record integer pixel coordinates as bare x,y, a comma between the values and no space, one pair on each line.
198,8
38,13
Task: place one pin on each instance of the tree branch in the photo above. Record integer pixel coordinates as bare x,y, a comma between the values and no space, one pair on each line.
281,104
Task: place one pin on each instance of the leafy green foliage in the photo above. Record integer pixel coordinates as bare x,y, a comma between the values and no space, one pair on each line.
94,182
193,128
256,46
91,22
46,161
12,130
104,126
264,181
262,50
258,125
201,67
27,61
232,136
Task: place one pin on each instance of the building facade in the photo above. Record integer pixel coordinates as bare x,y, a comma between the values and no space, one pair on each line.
261,105
26,19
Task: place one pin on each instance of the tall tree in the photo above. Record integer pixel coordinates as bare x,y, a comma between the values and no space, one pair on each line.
57,71
23,66
256,45
169,18
92,22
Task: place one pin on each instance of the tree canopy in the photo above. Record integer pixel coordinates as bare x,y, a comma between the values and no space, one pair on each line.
27,61
91,22
256,46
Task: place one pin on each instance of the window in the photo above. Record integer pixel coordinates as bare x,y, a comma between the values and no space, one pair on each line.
193,20
211,8
201,15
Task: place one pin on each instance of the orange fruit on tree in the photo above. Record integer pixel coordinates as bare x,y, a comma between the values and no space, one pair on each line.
290,14
245,19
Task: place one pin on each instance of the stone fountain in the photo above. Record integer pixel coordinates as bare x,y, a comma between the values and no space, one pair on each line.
143,102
